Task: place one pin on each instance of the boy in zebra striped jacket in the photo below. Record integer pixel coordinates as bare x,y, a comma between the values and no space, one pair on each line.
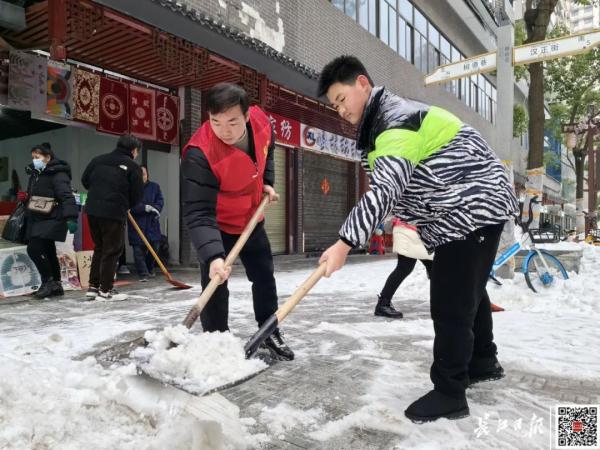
429,169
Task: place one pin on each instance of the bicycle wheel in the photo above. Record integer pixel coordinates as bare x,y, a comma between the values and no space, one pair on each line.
539,277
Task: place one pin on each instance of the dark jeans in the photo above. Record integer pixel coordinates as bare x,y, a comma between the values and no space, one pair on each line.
43,254
460,308
109,238
257,259
144,262
403,269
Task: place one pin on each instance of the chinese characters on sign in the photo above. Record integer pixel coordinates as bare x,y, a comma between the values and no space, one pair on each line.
287,131
292,132
324,141
478,64
554,48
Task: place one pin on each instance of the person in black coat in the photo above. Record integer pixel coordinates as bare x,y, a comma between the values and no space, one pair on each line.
114,183
146,214
49,177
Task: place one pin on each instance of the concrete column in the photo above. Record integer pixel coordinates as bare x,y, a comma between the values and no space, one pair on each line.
506,94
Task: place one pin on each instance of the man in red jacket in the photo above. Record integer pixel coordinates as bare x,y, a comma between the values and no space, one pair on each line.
226,168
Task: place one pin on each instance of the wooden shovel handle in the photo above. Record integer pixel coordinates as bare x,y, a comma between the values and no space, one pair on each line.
210,289
299,293
148,245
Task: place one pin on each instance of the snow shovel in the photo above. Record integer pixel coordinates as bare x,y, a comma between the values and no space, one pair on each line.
214,283
123,349
170,279
277,317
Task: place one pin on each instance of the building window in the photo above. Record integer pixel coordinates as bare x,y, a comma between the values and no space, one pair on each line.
367,15
404,29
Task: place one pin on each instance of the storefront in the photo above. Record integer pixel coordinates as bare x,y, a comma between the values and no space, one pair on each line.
330,180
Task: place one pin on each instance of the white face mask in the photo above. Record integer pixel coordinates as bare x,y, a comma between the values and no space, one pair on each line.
39,164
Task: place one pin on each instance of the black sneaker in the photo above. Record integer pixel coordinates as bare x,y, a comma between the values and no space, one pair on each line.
278,349
486,369
436,405
385,308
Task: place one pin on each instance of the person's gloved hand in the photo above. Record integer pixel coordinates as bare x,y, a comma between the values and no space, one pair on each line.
22,196
72,226
152,209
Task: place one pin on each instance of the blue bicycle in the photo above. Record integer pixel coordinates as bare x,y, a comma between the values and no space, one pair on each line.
541,269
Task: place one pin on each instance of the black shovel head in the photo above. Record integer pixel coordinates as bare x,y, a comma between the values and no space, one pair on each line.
259,337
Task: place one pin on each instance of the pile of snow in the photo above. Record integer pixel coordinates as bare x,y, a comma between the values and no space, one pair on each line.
198,363
49,401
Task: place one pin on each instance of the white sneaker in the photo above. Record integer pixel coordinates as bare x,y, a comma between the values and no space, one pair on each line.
112,295
92,293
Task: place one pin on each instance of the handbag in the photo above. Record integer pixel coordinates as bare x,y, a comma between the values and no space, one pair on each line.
408,243
41,205
14,229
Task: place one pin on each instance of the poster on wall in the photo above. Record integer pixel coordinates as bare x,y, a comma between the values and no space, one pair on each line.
27,80
59,99
86,96
114,98
18,274
167,118
142,117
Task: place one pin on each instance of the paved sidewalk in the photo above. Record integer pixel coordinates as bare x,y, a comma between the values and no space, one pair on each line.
345,367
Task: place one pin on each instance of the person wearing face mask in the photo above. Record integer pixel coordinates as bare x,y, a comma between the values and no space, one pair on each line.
49,177
114,183
227,167
147,214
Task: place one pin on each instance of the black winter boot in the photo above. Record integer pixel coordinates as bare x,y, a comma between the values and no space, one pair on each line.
278,349
385,308
57,289
436,405
485,369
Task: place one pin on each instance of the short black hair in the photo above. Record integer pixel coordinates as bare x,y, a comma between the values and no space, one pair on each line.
44,149
129,142
224,96
343,69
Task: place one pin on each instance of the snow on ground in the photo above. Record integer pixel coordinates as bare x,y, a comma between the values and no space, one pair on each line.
186,365
50,400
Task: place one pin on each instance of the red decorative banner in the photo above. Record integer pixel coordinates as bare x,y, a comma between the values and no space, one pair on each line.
167,118
87,96
114,97
142,112
287,131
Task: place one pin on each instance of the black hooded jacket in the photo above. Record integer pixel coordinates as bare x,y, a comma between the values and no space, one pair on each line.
54,182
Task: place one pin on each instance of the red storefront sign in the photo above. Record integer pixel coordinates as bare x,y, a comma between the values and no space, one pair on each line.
287,131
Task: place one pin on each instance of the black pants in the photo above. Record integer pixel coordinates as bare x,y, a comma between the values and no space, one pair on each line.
460,308
43,254
144,261
403,269
258,261
109,238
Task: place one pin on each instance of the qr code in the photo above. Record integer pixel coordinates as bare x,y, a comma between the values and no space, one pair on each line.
577,426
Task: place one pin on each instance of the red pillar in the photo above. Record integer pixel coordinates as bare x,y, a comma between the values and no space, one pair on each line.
57,28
